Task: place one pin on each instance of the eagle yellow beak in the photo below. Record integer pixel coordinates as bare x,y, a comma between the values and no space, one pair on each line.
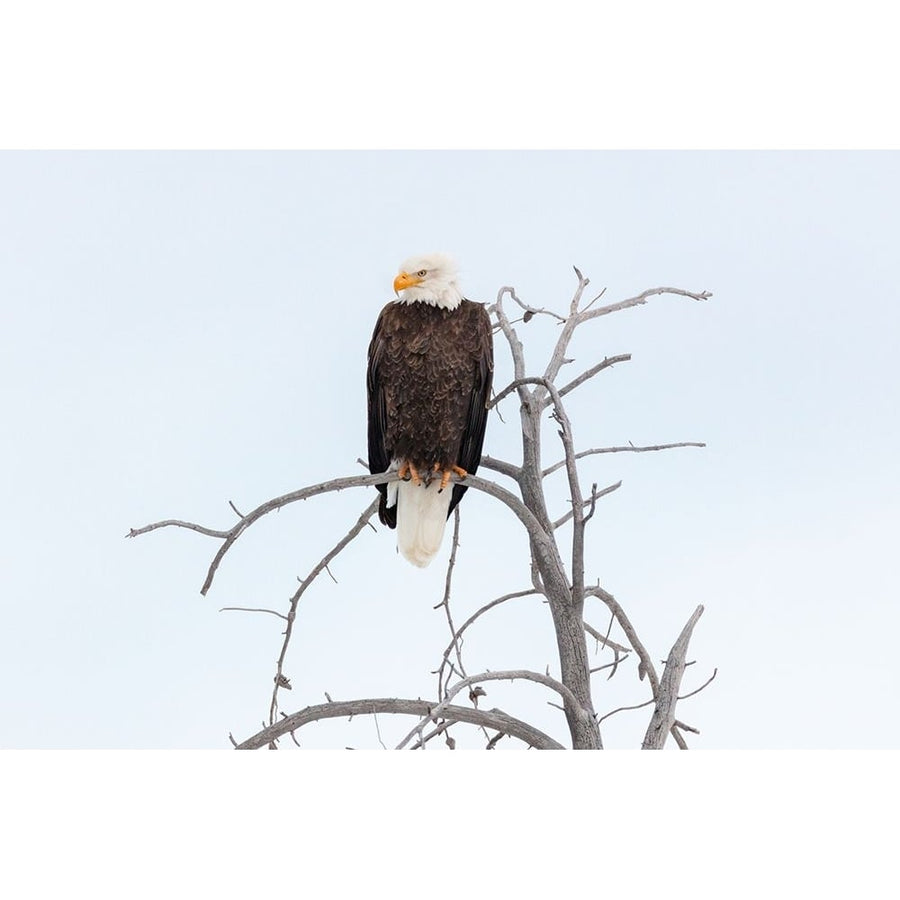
405,280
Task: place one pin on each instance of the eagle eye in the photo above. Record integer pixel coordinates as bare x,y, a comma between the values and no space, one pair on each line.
422,273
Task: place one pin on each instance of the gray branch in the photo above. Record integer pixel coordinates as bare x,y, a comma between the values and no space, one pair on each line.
320,566
495,718
667,695
509,675
629,449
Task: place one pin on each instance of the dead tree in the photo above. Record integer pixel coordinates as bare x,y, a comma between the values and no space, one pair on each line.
557,577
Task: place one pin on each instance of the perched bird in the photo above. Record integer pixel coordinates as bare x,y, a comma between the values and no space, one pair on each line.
431,362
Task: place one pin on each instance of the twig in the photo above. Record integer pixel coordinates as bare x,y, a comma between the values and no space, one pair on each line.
253,609
624,709
454,641
364,517
683,727
595,496
531,311
457,635
590,373
629,449
616,648
177,523
641,299
438,730
377,729
691,694
592,302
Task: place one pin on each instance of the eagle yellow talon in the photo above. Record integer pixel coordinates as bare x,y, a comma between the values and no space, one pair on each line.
407,472
445,475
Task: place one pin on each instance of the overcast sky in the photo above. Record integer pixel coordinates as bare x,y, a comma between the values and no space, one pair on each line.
185,329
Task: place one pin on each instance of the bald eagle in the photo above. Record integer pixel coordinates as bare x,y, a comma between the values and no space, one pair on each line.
429,377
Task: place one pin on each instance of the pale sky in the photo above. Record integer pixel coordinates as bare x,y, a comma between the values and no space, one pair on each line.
185,329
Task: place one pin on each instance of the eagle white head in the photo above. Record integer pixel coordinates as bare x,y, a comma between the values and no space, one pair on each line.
430,278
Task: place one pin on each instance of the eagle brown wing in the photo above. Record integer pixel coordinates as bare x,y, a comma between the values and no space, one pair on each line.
476,417
377,415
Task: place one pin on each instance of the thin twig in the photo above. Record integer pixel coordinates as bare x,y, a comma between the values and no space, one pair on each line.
445,603
641,299
629,449
457,635
595,496
364,517
377,729
253,609
590,373
531,311
624,709
705,683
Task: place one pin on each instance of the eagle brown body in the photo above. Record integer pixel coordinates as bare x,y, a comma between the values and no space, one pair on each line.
429,380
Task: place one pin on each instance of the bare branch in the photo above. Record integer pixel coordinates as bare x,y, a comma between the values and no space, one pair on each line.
624,709
590,373
572,472
697,691
646,666
454,642
683,727
604,639
457,635
177,523
641,299
501,466
495,718
253,609
530,311
435,732
595,496
509,675
512,386
592,302
378,730
629,449
338,484
667,695
558,357
230,536
322,564
515,345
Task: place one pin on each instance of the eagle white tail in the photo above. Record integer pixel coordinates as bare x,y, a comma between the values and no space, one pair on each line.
421,518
